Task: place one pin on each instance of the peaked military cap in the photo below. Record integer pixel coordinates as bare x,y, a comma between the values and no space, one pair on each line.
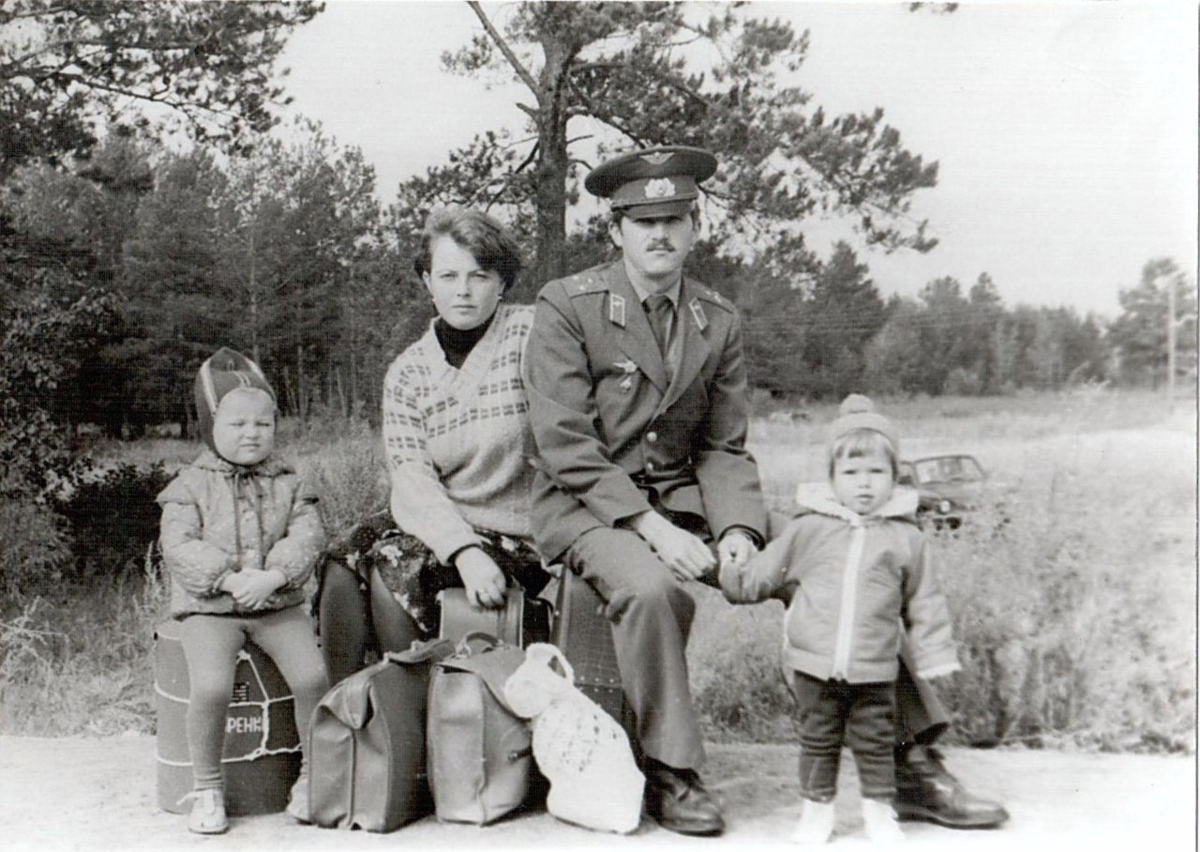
653,182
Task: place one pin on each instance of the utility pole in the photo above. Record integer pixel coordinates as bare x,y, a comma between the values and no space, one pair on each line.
1170,344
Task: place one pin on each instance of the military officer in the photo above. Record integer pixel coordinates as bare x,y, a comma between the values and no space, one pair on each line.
637,395
638,405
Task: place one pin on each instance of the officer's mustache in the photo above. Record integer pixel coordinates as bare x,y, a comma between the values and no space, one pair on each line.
661,244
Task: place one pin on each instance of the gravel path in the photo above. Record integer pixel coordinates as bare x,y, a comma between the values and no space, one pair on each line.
98,794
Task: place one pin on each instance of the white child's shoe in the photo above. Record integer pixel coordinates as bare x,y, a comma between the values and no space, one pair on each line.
880,822
297,806
208,811
816,822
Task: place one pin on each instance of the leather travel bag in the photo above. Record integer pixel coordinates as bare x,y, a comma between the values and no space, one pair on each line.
522,620
367,755
480,752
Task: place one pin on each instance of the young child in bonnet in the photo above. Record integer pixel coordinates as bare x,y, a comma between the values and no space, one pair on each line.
853,567
240,535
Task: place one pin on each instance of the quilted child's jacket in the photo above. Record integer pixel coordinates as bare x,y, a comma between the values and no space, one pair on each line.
854,586
218,518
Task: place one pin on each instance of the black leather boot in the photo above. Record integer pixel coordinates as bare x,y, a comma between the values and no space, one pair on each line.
677,800
925,790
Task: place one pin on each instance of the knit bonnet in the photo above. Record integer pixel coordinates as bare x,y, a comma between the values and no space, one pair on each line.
224,371
858,412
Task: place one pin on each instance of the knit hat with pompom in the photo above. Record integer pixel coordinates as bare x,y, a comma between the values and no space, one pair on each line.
858,412
226,370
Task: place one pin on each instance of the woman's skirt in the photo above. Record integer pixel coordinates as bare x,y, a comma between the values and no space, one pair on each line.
415,576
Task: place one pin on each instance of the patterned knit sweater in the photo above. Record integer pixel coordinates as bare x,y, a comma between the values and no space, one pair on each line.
458,440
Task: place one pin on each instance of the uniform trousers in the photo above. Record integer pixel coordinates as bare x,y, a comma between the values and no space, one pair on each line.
651,612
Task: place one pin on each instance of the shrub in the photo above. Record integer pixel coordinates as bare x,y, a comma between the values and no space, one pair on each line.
34,548
112,516
1065,635
344,457
963,382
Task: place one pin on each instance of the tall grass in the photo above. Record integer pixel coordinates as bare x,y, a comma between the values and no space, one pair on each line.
1073,592
1074,602
82,663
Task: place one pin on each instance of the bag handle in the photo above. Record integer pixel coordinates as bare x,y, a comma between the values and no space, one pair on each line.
545,653
464,649
421,652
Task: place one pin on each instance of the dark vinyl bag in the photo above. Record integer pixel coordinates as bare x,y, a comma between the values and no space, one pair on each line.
367,750
480,753
522,620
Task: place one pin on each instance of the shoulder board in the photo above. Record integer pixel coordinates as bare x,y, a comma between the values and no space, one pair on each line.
585,283
711,296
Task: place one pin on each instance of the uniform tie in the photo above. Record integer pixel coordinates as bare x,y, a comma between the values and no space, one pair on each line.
659,312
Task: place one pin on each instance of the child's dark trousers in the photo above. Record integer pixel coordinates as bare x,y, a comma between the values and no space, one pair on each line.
830,714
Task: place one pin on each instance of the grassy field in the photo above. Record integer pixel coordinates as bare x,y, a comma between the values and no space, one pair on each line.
1076,618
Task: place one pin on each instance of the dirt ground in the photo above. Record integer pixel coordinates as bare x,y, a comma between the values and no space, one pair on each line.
98,794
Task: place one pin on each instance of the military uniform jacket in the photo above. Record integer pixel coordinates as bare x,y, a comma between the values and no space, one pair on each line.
614,438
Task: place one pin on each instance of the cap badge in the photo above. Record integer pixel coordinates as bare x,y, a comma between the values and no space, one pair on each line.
657,158
659,188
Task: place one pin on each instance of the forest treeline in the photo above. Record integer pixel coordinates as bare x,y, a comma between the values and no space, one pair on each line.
288,254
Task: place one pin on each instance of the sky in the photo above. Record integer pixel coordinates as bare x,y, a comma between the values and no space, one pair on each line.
1066,133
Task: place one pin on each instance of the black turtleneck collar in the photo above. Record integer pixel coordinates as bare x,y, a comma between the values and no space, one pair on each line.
457,343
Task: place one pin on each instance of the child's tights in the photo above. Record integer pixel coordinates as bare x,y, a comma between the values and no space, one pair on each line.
211,644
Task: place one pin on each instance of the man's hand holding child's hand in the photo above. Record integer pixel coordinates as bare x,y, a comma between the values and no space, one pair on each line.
735,549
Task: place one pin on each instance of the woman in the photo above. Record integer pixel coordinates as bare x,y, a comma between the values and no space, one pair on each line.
456,434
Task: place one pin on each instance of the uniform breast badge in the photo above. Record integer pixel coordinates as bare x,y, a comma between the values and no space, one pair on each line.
629,368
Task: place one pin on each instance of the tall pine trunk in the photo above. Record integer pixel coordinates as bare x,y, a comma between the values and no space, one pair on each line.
551,173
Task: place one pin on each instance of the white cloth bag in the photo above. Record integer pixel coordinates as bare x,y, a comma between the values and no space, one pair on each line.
585,754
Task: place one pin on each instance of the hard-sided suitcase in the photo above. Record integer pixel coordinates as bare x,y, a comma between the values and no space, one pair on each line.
261,756
584,636
367,750
522,620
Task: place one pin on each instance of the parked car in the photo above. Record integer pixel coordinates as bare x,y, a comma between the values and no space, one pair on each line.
949,486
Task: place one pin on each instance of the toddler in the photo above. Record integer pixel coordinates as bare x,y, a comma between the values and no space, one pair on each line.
240,535
854,568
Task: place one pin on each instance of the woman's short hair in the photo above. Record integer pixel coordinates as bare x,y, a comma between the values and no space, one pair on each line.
863,442
489,242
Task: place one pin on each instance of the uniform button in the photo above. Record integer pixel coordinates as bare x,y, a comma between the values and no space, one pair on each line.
651,437
649,465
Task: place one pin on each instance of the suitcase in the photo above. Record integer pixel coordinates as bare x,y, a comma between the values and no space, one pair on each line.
584,636
261,759
522,620
367,754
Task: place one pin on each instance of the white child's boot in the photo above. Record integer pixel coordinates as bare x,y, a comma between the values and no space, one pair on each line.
880,822
297,806
816,822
